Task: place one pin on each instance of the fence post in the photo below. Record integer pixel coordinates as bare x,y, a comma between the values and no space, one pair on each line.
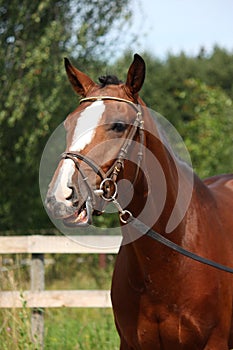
37,315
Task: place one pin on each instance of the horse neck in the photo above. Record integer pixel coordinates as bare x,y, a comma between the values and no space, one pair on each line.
166,186
168,200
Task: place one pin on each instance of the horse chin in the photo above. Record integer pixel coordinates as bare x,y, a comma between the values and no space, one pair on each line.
81,217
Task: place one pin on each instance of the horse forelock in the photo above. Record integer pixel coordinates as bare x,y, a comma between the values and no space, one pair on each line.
109,80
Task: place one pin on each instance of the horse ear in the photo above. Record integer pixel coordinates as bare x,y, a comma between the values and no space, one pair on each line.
80,82
136,75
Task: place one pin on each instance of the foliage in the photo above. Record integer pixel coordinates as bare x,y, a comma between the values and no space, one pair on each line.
85,269
207,128
86,329
35,94
27,106
95,33
15,329
164,78
218,69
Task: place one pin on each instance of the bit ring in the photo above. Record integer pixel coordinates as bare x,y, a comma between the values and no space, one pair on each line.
102,188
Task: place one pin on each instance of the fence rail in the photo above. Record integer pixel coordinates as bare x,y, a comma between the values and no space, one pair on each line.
56,298
37,297
59,244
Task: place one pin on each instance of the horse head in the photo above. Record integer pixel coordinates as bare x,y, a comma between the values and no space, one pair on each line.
98,137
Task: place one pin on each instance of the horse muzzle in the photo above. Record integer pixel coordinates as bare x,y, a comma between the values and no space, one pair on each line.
76,215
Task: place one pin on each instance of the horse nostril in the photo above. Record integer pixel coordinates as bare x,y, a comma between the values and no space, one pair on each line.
73,196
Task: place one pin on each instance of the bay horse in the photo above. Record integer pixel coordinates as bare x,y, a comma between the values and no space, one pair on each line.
161,299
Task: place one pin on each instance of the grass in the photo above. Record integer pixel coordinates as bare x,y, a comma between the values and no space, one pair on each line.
65,328
15,331
79,329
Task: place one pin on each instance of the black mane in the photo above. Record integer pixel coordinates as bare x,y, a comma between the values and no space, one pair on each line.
109,80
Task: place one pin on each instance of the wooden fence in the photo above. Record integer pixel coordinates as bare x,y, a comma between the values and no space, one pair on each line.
37,297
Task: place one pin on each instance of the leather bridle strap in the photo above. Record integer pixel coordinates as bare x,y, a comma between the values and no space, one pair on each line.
76,155
102,98
144,229
118,164
112,173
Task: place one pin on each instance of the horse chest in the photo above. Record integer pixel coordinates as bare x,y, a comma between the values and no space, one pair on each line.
151,317
164,327
160,329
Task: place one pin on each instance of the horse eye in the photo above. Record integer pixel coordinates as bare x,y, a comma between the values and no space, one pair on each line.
119,126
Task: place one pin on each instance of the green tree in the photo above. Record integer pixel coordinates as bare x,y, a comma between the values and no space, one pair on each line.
164,78
207,128
35,95
218,69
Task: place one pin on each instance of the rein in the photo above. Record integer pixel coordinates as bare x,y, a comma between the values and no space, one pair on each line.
140,226
109,179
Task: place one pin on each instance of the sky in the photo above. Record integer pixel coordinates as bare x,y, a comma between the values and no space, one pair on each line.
172,26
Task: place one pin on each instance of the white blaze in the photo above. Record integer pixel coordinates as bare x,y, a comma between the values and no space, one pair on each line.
86,126
83,134
61,189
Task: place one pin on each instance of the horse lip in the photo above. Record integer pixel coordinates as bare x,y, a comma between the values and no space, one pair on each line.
81,217
57,210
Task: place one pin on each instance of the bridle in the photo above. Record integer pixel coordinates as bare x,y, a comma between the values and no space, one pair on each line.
108,187
109,179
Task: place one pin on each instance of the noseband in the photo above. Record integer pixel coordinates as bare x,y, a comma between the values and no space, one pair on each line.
108,186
